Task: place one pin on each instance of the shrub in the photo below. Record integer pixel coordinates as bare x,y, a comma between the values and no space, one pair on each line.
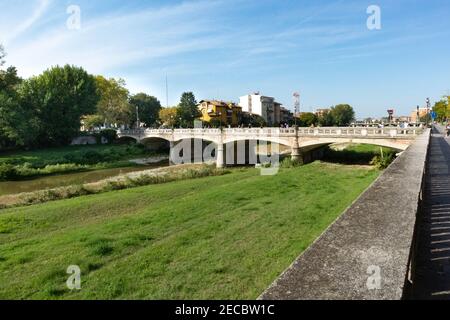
289,163
8,172
383,161
109,134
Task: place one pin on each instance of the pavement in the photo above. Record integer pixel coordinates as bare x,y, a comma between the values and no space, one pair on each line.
432,274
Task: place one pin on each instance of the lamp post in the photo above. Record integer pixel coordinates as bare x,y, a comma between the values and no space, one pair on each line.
428,112
138,123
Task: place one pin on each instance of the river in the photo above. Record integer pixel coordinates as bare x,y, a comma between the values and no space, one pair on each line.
54,181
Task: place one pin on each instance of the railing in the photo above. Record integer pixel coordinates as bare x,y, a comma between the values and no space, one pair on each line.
321,131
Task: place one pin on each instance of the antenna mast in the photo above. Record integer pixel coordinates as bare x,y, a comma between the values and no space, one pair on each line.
296,96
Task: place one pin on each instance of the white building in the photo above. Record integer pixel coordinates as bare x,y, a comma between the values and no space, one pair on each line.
263,106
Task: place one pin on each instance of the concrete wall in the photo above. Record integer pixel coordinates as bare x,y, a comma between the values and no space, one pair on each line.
366,253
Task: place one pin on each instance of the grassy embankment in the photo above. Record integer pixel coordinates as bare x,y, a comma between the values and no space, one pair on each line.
222,237
28,164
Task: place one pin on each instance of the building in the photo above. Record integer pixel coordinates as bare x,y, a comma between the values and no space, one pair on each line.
422,112
286,116
264,106
321,112
225,113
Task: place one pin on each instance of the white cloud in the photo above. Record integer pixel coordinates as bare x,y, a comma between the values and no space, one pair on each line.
28,22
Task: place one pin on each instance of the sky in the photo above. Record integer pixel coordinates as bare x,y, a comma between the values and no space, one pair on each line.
224,49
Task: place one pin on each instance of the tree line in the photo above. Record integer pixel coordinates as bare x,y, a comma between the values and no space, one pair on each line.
340,115
48,110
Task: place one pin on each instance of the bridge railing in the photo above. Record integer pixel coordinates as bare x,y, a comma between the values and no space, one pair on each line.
319,131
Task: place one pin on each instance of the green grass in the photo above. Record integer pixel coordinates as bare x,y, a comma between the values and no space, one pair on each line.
362,154
223,237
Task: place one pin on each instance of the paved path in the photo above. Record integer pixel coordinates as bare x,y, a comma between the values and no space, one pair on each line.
433,260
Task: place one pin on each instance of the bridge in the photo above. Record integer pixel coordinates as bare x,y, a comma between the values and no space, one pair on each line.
300,140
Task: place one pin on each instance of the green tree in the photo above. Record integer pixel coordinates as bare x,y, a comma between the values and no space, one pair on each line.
113,105
149,108
14,120
187,110
442,110
253,120
307,119
57,100
342,115
92,121
168,117
325,119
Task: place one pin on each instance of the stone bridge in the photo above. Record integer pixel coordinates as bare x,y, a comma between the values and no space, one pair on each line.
300,140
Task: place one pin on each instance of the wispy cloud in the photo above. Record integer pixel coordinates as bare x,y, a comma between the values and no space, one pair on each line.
39,10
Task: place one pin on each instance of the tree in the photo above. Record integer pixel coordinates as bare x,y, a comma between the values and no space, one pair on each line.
342,114
56,100
253,120
149,108
92,121
307,119
187,110
168,117
442,110
325,119
113,105
13,118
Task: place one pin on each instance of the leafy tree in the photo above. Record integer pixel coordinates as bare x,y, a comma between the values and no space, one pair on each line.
149,108
187,110
307,119
325,119
92,121
13,118
442,110
168,117
253,120
113,105
56,100
342,115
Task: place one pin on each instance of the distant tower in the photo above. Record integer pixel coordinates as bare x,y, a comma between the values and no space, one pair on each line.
167,92
296,96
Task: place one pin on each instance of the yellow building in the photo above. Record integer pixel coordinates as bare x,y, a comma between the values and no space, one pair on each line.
220,112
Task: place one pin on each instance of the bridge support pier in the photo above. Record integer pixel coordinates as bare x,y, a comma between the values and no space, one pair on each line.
296,155
220,161
171,153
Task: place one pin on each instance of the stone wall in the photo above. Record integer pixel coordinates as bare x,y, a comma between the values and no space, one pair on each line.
366,253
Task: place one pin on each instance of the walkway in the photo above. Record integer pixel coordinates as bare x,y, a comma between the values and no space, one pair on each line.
433,260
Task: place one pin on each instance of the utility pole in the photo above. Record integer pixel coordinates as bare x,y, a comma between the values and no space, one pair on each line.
428,112
167,92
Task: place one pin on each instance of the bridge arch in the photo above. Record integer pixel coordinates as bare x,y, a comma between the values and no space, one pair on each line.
397,145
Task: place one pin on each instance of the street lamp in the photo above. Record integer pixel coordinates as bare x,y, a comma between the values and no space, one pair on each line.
138,123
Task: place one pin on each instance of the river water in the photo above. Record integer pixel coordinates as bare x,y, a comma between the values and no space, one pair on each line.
47,182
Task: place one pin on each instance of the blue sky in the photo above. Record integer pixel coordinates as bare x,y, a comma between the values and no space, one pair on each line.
227,48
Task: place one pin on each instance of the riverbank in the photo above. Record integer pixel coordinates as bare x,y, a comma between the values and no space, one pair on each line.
31,164
221,237
132,179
